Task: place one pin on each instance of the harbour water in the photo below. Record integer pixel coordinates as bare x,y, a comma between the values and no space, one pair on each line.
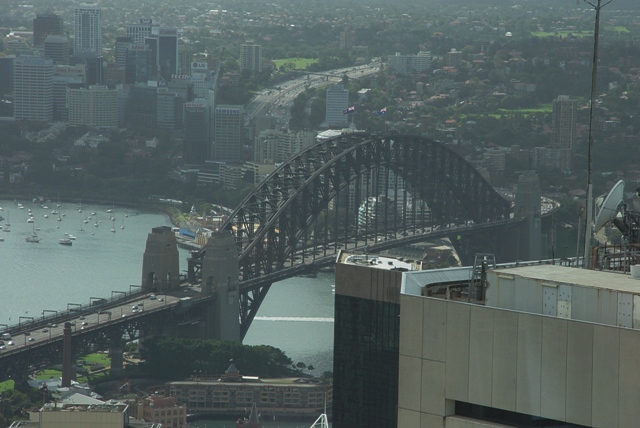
296,316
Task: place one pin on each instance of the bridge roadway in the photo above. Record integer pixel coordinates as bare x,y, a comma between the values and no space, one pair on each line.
90,319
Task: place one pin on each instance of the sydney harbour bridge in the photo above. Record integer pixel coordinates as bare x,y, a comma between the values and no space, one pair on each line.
356,192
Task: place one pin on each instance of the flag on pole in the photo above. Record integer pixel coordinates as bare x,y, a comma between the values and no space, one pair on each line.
350,110
381,111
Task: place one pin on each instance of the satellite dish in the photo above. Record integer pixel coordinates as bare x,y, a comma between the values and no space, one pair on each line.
609,208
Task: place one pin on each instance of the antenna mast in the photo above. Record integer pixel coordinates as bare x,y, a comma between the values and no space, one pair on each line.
588,227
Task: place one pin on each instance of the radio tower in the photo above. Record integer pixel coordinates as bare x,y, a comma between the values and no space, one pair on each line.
588,227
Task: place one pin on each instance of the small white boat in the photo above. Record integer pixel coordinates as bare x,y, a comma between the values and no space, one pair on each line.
54,212
30,220
72,237
34,238
65,241
46,216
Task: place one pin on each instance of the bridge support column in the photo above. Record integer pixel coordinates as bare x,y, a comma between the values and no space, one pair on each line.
220,277
117,361
68,364
160,265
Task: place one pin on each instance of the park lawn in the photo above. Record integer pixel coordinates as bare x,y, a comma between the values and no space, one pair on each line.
97,358
298,63
617,28
48,374
563,33
6,385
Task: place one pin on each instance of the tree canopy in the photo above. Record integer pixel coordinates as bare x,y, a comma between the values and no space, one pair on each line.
180,358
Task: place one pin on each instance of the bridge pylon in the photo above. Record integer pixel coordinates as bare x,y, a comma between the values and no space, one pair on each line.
160,265
220,276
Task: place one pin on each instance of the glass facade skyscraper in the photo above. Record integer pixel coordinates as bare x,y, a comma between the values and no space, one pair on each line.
366,347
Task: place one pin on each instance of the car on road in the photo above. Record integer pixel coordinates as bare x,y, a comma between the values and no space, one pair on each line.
10,343
27,333
152,297
45,330
31,339
85,323
161,299
2,347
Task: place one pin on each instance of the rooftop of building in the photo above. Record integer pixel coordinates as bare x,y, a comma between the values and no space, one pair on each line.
555,274
252,380
416,281
104,407
378,261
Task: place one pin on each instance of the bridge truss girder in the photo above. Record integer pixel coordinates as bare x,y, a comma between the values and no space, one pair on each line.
272,225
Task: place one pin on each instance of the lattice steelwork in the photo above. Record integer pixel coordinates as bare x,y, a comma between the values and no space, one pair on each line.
309,206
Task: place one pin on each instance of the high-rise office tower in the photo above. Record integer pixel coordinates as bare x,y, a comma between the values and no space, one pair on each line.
122,44
142,106
139,65
32,88
65,77
44,25
169,108
197,136
140,31
185,57
346,38
337,103
251,57
57,48
6,74
95,66
96,106
88,29
167,51
563,131
366,344
228,131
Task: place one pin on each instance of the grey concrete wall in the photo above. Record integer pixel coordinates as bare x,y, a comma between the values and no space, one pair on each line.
551,367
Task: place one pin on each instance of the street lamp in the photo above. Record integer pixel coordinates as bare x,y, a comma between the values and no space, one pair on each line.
21,318
48,310
74,305
122,293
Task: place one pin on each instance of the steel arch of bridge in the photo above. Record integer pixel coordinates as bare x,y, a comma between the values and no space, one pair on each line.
272,225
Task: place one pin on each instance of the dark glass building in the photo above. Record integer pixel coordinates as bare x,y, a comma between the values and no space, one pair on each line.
46,24
142,106
139,66
197,136
366,346
95,67
6,74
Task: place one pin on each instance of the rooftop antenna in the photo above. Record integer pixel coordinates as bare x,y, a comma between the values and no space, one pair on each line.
588,227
